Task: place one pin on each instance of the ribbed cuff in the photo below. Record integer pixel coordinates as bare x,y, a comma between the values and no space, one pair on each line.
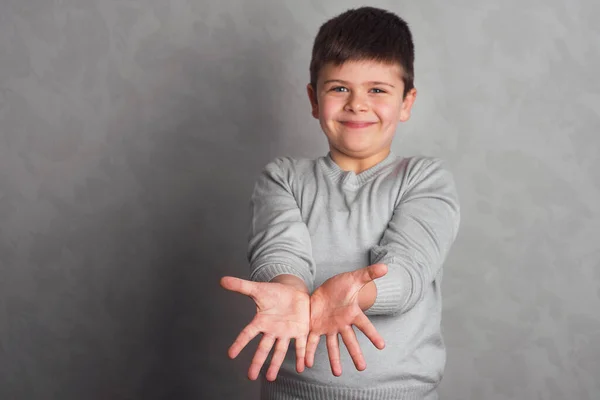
267,272
394,290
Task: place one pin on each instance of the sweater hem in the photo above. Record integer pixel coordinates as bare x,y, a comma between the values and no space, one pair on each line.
284,388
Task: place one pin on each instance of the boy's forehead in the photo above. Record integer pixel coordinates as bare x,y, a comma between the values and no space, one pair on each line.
361,70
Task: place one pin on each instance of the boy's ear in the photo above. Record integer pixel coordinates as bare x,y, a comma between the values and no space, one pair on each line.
312,96
407,104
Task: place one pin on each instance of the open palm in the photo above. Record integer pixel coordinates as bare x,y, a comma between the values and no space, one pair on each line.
335,309
282,314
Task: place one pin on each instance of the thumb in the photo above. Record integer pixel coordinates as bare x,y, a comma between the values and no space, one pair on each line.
373,272
238,285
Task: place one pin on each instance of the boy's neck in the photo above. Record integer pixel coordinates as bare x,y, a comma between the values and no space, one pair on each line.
358,165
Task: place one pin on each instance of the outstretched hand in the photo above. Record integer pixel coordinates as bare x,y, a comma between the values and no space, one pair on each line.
334,308
282,314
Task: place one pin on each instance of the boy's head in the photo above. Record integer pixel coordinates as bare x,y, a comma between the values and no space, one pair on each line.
364,34
361,83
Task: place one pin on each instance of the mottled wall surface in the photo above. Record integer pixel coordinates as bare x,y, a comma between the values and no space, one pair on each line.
131,133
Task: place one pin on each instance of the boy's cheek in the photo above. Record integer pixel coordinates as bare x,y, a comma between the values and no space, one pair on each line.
330,108
389,111
325,112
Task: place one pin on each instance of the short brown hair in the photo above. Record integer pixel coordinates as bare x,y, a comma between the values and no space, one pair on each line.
365,33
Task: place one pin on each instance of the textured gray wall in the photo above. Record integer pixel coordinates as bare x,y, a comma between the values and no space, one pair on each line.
130,136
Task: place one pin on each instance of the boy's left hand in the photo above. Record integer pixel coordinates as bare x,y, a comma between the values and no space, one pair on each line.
334,309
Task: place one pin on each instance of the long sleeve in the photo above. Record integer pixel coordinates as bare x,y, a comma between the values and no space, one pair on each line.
417,239
279,241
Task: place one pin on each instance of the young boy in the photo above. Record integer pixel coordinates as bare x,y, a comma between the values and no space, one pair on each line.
351,244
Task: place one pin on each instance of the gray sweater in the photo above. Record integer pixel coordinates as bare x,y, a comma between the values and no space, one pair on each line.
314,220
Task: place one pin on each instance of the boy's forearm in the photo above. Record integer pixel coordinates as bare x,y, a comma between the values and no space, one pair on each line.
279,241
291,280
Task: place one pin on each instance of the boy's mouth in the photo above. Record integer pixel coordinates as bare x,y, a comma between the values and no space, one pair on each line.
357,124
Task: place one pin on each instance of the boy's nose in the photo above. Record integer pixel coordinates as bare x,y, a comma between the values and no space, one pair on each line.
357,103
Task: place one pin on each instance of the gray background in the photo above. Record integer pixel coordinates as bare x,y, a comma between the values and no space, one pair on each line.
131,133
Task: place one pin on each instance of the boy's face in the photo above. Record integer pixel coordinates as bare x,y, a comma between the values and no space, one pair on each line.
359,104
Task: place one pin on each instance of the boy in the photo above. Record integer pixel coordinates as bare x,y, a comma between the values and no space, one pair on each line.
351,244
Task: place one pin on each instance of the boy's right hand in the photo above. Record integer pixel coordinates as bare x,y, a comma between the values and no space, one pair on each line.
282,313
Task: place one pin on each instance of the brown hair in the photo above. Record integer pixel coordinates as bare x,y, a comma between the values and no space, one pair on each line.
365,33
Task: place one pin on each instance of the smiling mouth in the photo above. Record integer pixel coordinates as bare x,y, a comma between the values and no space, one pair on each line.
357,124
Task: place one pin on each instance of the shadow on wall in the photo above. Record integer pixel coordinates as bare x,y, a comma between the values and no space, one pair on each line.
207,130
114,250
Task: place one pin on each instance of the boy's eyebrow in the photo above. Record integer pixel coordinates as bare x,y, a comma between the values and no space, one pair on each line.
346,83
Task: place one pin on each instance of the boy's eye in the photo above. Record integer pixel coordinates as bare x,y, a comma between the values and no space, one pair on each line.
377,90
339,89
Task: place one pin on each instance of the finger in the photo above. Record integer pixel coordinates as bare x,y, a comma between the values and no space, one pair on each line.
238,285
363,323
262,352
242,340
333,348
280,351
351,342
311,348
300,353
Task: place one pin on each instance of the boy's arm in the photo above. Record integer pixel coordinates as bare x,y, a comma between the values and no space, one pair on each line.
415,244
291,280
279,247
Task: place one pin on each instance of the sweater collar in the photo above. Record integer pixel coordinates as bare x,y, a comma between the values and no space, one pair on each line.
349,178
